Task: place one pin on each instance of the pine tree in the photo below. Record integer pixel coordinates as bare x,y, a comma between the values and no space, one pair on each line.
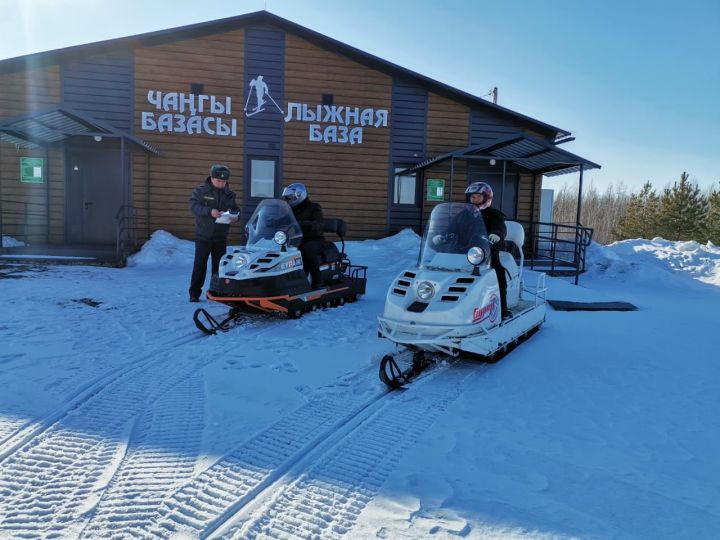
641,219
712,218
682,211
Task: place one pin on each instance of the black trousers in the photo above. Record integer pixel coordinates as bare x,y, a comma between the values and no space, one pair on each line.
501,277
205,248
311,255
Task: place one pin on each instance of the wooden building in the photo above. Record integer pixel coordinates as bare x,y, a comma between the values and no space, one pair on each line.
102,144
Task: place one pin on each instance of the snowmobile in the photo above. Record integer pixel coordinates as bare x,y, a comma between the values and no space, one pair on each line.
267,274
449,304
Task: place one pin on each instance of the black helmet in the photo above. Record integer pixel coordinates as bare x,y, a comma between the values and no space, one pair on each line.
220,171
481,188
294,194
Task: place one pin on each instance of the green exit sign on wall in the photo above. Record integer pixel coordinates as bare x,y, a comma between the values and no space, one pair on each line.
32,170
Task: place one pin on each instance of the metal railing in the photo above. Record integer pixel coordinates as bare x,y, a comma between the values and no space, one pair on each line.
30,215
557,248
131,226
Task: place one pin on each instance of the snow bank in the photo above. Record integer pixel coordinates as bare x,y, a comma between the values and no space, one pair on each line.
9,241
645,258
163,248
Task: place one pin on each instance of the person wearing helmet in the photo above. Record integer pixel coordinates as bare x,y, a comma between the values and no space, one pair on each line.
310,218
208,202
480,196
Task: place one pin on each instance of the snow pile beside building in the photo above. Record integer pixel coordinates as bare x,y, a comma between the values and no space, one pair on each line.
9,241
163,248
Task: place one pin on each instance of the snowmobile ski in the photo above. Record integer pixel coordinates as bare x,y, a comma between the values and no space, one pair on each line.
395,377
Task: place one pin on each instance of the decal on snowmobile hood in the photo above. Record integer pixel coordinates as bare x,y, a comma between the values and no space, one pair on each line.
489,311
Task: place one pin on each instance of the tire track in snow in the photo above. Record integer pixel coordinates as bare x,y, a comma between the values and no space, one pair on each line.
324,500
238,479
150,472
239,476
48,484
53,474
86,392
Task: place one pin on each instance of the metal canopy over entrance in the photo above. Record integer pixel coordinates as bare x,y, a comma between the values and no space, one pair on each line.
550,245
55,124
536,155
96,177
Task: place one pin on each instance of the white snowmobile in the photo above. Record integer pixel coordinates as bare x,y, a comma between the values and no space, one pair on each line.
450,302
267,274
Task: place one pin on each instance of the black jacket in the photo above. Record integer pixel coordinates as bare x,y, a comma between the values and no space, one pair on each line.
494,223
202,201
309,216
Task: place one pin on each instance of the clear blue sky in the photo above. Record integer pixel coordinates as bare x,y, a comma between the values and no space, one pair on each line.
637,82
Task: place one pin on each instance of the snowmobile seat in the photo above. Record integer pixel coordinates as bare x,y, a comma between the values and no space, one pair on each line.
338,227
516,234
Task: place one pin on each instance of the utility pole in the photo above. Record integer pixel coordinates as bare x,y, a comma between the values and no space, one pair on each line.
494,94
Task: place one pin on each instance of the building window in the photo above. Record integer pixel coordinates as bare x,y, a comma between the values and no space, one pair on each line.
262,178
405,189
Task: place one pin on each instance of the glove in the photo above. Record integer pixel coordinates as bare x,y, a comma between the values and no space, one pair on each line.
494,239
437,239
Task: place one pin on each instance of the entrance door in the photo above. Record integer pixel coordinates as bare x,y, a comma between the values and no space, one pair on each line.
94,196
404,201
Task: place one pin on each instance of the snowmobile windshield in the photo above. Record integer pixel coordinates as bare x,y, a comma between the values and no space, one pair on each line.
272,216
453,229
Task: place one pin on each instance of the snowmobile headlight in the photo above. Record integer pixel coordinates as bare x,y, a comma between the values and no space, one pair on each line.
476,255
425,290
280,238
240,261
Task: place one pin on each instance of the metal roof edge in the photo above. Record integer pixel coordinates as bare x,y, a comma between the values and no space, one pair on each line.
229,23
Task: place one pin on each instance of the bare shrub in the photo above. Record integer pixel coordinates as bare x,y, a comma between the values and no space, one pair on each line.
601,211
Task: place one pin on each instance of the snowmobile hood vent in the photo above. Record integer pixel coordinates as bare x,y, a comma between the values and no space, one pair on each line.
467,280
403,284
417,307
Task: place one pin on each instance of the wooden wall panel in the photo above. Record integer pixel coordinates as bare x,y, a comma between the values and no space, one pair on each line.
447,129
215,61
101,86
349,181
525,198
22,92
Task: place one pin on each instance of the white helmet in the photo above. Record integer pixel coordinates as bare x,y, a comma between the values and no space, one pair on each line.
294,194
483,189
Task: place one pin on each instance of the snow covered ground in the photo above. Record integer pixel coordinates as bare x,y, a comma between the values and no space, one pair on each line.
118,418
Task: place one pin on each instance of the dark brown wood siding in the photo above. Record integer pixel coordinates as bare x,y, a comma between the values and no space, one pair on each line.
525,198
216,62
20,93
349,181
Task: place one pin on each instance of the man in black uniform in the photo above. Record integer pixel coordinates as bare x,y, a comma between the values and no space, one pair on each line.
480,195
309,216
208,202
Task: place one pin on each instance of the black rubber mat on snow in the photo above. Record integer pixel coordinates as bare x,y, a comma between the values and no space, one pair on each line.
563,305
